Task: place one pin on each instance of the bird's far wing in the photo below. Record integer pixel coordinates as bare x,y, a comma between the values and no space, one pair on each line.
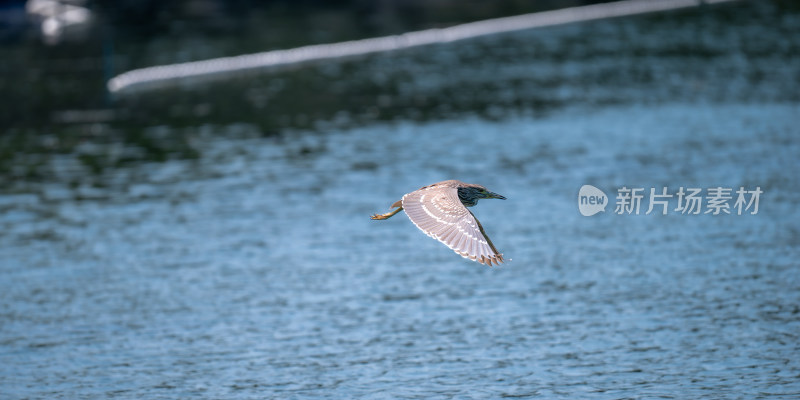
440,214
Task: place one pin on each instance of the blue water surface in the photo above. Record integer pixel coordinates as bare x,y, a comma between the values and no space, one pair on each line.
255,272
262,276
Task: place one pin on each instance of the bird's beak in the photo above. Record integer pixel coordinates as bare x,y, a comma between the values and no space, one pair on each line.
493,195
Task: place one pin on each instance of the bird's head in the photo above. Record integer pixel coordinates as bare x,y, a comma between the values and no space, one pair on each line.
470,194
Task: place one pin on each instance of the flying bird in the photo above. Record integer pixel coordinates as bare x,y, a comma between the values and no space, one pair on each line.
440,210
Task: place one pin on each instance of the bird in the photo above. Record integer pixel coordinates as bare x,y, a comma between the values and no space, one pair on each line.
440,210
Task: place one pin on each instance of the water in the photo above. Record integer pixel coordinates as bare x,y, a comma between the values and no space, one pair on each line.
261,275
253,270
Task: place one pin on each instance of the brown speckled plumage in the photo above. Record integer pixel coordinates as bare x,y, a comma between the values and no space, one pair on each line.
440,210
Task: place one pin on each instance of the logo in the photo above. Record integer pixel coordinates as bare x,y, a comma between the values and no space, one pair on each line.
716,200
591,200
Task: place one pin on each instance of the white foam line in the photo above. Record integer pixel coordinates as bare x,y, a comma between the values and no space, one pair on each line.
160,76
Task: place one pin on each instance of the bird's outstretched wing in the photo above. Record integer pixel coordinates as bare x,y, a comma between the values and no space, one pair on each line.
440,214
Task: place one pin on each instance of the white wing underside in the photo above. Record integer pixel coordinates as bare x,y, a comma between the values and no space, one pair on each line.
442,216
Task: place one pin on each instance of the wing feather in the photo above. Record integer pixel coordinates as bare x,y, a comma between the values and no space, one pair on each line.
440,214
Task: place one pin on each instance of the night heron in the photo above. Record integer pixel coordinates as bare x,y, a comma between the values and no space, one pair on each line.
440,210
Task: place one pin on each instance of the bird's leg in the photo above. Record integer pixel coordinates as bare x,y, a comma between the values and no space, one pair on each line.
387,215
